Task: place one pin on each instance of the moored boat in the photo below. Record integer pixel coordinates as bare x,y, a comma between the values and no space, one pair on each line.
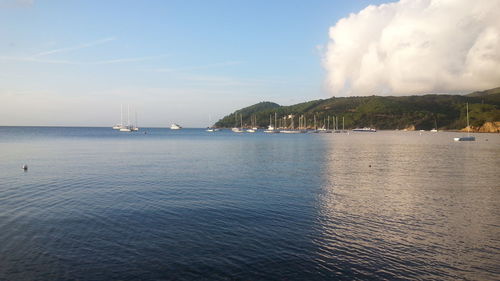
468,137
365,129
175,127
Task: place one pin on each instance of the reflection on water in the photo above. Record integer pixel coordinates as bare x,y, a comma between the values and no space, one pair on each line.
100,205
398,207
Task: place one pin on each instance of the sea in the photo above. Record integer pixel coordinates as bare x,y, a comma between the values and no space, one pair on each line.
159,204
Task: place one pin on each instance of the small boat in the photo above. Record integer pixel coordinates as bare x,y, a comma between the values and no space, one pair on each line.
254,128
323,130
238,129
211,128
119,126
272,129
175,127
292,129
365,129
468,137
434,130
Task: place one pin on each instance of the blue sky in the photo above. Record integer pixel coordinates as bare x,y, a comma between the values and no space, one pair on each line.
75,62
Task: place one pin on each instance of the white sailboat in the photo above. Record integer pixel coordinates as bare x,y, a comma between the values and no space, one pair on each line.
292,129
272,129
365,129
135,127
175,127
434,130
238,129
211,128
468,137
254,124
119,126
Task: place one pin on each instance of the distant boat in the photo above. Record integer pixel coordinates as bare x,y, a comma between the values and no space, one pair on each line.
468,137
434,130
365,129
175,127
211,128
292,129
134,127
237,129
119,126
272,129
254,124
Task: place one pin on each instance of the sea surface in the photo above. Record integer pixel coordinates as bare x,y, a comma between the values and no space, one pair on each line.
98,204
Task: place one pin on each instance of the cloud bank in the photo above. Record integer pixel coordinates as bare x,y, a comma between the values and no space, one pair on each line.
415,46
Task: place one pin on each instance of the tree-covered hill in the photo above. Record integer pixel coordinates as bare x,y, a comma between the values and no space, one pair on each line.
381,112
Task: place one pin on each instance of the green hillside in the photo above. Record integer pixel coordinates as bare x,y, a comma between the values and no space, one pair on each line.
423,112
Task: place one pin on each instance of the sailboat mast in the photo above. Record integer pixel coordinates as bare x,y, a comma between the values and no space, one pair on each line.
275,119
128,115
121,114
467,106
342,123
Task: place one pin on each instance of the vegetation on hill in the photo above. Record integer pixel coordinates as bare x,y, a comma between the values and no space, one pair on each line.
422,112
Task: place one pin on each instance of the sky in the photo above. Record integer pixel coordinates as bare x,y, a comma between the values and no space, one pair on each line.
74,63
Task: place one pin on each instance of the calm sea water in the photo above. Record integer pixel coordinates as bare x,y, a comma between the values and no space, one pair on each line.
97,204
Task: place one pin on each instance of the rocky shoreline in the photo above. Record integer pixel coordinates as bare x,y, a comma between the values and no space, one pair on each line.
487,127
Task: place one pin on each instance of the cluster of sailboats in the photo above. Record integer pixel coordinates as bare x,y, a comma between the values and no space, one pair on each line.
129,127
286,125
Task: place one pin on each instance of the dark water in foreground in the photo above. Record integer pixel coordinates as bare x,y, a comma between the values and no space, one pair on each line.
97,204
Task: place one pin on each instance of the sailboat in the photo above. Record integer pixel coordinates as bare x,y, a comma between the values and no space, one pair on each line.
343,128
119,126
134,127
235,128
292,129
211,128
254,126
468,137
272,129
434,130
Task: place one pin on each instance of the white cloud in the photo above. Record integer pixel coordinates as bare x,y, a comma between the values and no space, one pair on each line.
415,46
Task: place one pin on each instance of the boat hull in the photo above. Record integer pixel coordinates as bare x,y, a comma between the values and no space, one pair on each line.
465,139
